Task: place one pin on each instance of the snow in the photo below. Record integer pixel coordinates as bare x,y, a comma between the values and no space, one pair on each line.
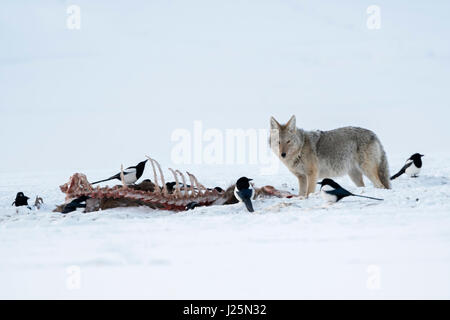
89,100
289,248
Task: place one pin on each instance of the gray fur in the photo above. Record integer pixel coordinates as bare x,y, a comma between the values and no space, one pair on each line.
313,155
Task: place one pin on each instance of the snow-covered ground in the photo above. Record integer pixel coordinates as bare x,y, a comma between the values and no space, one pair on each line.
89,99
358,248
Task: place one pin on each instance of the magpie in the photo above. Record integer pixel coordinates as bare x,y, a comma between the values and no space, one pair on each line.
191,205
130,174
332,192
171,186
412,166
21,200
244,192
74,204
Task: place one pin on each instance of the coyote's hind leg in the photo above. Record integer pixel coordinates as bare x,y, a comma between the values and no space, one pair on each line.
357,177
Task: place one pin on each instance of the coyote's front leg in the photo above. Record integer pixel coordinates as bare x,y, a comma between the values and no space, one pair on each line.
312,182
302,185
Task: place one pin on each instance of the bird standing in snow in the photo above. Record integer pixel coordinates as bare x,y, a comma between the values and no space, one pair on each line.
244,192
79,202
21,200
130,174
332,192
412,166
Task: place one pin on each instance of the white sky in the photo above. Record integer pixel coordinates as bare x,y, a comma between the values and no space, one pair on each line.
116,89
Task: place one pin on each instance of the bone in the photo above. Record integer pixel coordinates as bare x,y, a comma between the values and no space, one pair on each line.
38,202
157,190
186,191
122,177
163,182
192,189
198,185
177,184
193,184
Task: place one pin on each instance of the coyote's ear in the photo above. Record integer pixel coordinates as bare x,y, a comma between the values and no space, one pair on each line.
274,123
291,125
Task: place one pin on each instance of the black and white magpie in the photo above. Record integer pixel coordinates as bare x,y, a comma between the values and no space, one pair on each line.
412,166
332,192
130,174
244,192
79,202
171,186
21,200
192,205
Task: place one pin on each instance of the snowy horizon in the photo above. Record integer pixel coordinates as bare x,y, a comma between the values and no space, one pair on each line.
138,75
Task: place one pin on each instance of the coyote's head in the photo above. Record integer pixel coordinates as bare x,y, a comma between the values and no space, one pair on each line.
285,140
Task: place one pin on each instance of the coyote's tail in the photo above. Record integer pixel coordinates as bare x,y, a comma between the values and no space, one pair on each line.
383,170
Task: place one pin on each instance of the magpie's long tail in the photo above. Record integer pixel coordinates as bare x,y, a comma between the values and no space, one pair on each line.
398,174
103,180
357,195
248,204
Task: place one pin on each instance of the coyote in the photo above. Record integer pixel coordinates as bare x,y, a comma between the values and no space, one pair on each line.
313,155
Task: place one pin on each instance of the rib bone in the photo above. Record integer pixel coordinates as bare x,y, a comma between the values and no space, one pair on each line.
122,177
186,192
163,182
157,190
177,184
